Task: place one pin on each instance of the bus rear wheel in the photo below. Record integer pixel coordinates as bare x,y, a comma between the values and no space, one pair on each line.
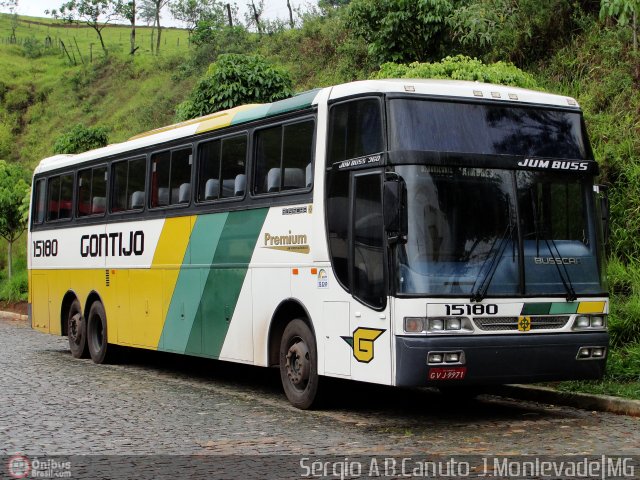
77,331
299,364
97,333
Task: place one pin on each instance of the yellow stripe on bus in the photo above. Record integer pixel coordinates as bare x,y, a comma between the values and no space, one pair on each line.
591,307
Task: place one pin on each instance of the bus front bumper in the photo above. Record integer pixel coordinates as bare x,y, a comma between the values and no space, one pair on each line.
499,359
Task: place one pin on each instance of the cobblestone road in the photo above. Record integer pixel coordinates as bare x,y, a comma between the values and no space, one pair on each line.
51,403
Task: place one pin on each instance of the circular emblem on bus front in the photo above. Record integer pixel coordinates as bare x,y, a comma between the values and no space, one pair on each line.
19,466
524,324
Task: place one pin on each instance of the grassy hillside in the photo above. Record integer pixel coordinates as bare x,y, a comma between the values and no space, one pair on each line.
43,93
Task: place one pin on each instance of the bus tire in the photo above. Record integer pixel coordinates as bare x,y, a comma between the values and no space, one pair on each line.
77,331
97,333
299,364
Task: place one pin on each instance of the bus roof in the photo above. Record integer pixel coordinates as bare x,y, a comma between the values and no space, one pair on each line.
248,113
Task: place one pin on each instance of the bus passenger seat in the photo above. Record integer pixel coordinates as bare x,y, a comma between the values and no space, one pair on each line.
184,196
309,175
163,196
211,189
228,185
240,185
137,199
98,204
273,180
293,178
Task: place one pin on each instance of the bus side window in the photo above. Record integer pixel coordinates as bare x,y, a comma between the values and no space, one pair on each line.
355,130
221,168
60,197
171,177
92,191
39,202
127,187
284,154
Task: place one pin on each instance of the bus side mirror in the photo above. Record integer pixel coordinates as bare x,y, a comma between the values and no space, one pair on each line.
602,197
395,209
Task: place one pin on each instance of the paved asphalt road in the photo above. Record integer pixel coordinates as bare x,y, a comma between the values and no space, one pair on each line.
160,404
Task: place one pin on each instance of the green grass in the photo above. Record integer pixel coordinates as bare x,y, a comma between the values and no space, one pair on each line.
45,96
116,37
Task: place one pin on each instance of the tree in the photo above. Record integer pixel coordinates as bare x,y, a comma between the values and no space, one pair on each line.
626,11
14,188
128,11
190,12
254,13
400,30
80,139
158,5
95,13
235,79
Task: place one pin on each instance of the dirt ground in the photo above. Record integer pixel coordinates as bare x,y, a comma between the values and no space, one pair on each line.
20,307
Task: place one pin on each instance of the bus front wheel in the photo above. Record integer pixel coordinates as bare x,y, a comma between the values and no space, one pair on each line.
77,331
299,364
97,333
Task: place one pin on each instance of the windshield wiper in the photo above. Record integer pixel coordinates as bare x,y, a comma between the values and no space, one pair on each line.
477,295
568,286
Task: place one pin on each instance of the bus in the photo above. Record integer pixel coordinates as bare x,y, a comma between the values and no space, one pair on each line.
400,232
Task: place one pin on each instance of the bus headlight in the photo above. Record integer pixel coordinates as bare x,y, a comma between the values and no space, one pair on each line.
436,325
582,322
587,322
449,325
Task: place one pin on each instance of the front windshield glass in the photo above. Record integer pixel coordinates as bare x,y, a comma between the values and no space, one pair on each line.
490,129
560,243
463,234
461,221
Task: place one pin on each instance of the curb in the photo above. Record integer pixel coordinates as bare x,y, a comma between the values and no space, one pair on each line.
585,401
16,317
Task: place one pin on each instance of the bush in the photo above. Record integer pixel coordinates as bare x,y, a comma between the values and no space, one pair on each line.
16,289
460,68
400,30
33,48
521,31
80,139
235,80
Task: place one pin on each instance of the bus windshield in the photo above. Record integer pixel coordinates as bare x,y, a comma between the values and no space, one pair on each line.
490,129
464,234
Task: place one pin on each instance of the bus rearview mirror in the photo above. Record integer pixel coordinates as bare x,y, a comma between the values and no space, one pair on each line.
395,210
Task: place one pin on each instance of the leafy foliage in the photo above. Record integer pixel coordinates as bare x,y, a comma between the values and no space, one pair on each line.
234,80
15,289
623,10
14,188
95,13
460,68
518,30
80,139
191,12
400,30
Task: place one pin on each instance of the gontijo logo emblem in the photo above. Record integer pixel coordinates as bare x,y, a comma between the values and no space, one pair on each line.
362,343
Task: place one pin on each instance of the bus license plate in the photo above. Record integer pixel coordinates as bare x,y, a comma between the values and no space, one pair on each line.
451,373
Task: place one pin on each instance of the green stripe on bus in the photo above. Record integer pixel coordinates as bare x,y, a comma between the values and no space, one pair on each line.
560,308
536,309
298,102
223,281
251,114
189,286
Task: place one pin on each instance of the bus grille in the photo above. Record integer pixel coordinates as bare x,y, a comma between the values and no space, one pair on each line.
511,323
